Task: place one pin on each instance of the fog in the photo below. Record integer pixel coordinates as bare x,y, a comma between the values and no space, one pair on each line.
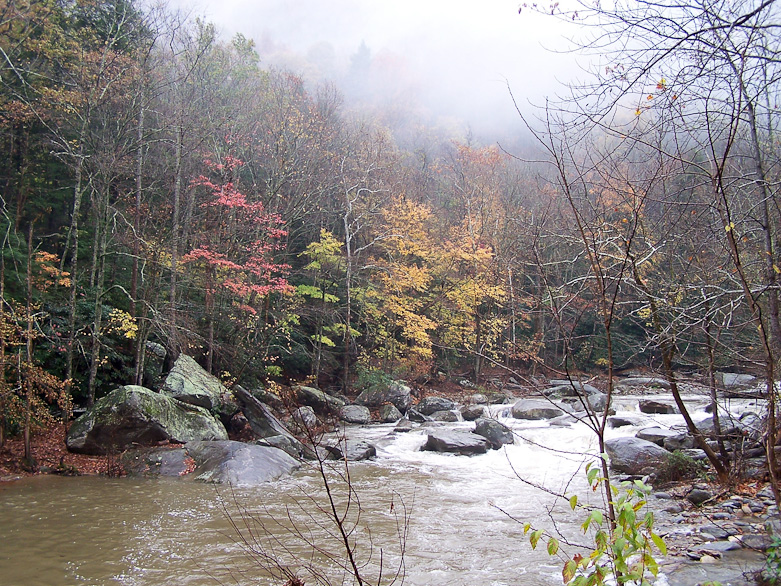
447,63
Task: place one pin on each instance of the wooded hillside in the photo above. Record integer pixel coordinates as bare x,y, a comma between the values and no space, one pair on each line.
161,185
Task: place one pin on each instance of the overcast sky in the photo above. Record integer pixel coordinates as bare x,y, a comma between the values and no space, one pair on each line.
456,56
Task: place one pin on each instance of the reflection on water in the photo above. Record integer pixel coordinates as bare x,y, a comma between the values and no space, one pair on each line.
461,531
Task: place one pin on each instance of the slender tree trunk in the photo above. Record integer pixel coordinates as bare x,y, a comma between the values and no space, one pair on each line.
27,368
100,252
137,218
73,232
173,342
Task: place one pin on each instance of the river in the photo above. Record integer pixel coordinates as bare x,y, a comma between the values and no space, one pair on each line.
458,519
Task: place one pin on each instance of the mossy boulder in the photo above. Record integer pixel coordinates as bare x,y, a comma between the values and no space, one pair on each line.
133,416
321,402
397,394
190,383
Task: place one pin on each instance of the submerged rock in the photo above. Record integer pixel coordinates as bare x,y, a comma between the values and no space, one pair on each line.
457,442
133,416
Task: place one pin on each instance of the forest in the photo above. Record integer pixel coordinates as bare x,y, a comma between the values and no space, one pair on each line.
166,192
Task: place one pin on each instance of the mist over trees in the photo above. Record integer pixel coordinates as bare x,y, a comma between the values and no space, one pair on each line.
162,184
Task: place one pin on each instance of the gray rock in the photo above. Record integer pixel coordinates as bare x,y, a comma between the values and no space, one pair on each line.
262,421
632,455
695,454
697,496
417,417
717,547
157,350
352,450
678,441
321,402
755,541
566,388
642,381
304,418
134,416
431,405
156,462
355,414
620,421
448,416
717,531
398,394
535,409
731,380
472,412
239,464
457,442
496,433
389,414
189,383
403,426
479,399
656,435
657,407
288,444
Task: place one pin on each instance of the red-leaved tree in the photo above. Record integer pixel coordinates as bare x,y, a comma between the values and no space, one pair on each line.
232,255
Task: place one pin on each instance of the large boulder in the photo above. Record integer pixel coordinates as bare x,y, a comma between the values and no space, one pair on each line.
535,409
458,442
321,402
431,405
355,414
396,393
267,426
496,433
239,464
134,416
632,455
190,383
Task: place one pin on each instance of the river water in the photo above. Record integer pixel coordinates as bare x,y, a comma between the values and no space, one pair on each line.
457,519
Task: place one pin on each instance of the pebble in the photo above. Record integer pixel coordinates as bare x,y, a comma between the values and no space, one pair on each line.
746,510
708,559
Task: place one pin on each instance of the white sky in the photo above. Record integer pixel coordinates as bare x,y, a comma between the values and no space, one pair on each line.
461,54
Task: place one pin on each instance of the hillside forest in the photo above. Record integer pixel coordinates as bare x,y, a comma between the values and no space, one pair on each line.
164,191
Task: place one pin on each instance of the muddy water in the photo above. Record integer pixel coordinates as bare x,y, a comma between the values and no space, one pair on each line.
456,518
